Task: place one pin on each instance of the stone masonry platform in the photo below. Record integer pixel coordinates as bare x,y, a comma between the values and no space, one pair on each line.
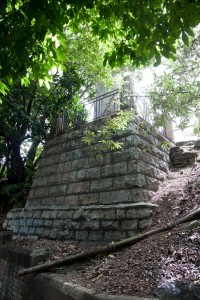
75,196
92,222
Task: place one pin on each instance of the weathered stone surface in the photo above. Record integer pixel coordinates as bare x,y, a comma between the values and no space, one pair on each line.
125,155
81,235
64,167
54,179
87,199
110,225
66,200
69,177
130,224
42,181
160,175
97,214
46,161
39,231
53,150
74,225
41,192
77,196
151,183
101,161
109,214
105,198
54,214
46,214
31,230
46,171
96,236
79,188
90,225
57,190
89,173
114,169
121,196
79,164
48,201
146,223
66,235
101,185
138,213
37,214
79,214
38,222
177,291
129,181
77,154
183,156
120,214
72,220
65,214
197,144
60,223
29,222
48,223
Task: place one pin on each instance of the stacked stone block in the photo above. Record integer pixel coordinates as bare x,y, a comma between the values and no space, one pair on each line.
77,196
87,223
182,157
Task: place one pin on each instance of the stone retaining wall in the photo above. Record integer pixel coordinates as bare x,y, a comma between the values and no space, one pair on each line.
76,196
88,223
184,155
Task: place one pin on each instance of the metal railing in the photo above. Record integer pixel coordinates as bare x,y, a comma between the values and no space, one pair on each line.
107,104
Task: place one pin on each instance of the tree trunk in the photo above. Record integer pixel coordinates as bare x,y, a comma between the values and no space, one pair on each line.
113,247
17,169
30,161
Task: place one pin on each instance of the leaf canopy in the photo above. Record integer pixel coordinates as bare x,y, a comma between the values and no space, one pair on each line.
33,40
176,93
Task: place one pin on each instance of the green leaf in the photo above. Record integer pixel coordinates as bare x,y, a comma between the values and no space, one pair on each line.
189,31
3,88
46,82
185,38
40,81
25,81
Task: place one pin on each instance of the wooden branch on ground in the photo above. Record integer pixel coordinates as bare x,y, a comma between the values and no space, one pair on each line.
113,247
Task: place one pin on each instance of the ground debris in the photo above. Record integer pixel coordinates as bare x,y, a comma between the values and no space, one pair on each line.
138,270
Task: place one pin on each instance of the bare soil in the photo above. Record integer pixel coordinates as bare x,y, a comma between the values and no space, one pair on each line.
139,269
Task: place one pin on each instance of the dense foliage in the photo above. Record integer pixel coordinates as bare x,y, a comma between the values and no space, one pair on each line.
40,40
33,41
28,113
26,119
176,94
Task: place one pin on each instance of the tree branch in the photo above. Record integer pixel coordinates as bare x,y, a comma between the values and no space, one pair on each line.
113,247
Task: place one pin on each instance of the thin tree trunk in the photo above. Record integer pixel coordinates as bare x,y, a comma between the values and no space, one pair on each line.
4,165
20,169
113,247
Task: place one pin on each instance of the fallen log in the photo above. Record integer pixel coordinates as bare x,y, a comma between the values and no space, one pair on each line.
112,247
